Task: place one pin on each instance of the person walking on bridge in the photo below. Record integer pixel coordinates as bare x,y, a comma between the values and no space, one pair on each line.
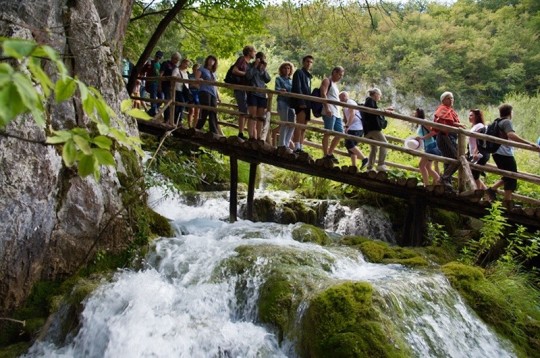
286,113
330,112
353,126
447,141
301,84
373,126
504,156
241,66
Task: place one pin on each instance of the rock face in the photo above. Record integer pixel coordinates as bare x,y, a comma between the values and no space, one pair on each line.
50,218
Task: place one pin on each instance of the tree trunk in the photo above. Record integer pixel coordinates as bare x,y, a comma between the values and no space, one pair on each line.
50,217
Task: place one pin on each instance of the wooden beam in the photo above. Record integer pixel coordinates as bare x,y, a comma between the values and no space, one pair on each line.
233,197
251,189
466,174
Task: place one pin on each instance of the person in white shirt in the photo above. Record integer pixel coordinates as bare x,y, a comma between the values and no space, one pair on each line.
353,126
477,153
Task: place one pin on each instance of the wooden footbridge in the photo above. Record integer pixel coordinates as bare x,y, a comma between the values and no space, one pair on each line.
467,200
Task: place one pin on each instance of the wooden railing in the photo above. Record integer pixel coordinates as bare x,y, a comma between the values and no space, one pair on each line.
464,174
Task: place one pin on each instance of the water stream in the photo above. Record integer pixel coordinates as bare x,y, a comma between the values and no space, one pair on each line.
176,306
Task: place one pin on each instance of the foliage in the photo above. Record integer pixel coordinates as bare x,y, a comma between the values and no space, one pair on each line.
480,52
204,27
26,88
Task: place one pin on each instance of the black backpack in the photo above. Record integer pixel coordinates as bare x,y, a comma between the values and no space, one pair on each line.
231,78
317,107
481,143
492,130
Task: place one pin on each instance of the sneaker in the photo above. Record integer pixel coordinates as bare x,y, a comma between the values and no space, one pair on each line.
382,168
299,151
491,194
364,163
332,158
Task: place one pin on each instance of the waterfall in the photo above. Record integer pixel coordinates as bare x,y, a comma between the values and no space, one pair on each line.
183,303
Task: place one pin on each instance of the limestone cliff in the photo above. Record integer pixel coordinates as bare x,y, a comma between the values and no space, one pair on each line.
50,217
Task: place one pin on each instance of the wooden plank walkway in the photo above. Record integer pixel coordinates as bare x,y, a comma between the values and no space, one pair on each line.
417,196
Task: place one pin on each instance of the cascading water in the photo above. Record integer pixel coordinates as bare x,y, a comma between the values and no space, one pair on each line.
184,304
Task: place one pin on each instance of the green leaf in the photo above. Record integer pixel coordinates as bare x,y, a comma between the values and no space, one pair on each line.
18,48
120,136
139,113
6,68
38,115
83,89
59,137
104,157
27,91
89,107
34,65
11,104
46,52
69,153
83,144
64,89
103,129
125,105
87,165
102,142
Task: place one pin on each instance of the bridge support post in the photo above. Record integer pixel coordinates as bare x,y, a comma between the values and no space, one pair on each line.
233,196
251,189
462,149
415,222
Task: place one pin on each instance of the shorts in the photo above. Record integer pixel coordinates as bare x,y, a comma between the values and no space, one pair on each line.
241,100
506,162
482,161
256,101
333,123
433,149
195,93
349,143
306,110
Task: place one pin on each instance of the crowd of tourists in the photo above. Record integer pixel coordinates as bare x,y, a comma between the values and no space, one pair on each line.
250,69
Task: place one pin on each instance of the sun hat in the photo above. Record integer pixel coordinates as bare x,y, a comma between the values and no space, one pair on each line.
412,143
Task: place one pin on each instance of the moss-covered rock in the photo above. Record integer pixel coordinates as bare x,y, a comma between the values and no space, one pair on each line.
289,276
509,306
302,212
264,209
288,216
310,233
341,322
277,303
381,252
159,224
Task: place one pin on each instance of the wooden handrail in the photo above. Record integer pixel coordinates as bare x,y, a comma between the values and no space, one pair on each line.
462,133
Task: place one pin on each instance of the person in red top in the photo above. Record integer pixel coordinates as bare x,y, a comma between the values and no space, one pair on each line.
447,142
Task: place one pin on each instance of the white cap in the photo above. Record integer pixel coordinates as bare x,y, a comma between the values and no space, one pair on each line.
412,143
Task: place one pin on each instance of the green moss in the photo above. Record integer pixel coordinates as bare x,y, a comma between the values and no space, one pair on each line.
450,220
14,350
264,209
505,303
159,224
374,251
277,303
382,252
302,212
310,233
342,322
288,216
